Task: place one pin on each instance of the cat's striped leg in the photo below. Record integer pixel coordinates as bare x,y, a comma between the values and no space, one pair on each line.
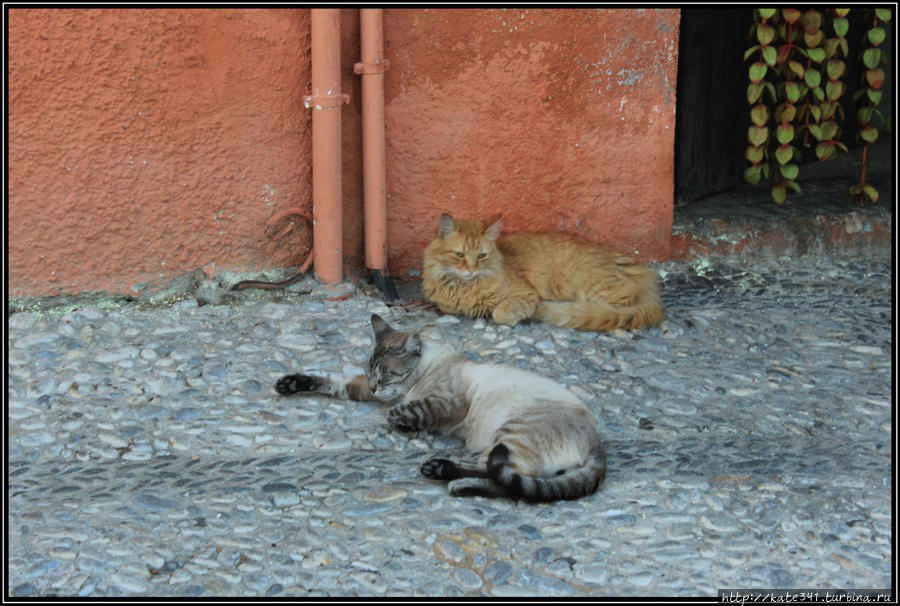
339,386
424,415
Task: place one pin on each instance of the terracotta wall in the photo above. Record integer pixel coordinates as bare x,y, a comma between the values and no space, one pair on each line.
144,144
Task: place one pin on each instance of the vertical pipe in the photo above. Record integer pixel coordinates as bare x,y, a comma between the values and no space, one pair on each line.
372,69
325,103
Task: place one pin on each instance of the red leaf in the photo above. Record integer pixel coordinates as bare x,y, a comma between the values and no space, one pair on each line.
875,78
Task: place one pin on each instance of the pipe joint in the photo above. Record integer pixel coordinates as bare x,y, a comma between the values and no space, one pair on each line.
371,68
322,102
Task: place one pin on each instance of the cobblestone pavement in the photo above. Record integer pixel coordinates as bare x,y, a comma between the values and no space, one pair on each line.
749,438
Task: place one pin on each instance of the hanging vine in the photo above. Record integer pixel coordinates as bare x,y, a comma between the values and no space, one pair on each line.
873,78
790,91
809,111
803,84
758,134
834,86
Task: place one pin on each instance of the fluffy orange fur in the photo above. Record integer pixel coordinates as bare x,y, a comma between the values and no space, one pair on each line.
556,277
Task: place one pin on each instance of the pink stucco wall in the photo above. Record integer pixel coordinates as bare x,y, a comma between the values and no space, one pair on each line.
146,143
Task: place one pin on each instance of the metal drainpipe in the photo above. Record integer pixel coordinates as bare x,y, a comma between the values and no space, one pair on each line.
372,68
325,102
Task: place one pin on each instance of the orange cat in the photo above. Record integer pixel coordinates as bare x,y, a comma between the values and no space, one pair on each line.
552,276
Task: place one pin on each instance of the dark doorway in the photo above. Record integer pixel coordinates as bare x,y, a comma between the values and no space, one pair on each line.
711,115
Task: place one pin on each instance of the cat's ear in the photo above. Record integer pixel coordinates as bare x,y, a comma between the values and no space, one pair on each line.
413,344
380,327
446,226
493,227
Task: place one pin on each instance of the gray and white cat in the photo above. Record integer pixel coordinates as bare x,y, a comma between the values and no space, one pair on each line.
533,439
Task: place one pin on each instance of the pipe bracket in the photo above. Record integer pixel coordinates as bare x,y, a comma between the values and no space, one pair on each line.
371,68
325,101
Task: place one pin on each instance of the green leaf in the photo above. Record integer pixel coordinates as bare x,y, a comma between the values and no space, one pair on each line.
797,68
794,186
844,46
766,13
769,55
765,33
835,69
816,113
815,130
872,57
869,134
757,135
875,78
771,88
812,77
834,89
752,174
874,96
749,52
759,114
785,112
813,39
784,153
819,94
829,130
841,12
755,154
784,133
864,115
841,26
841,146
792,91
876,35
789,171
883,14
871,193
816,54
758,71
812,20
754,92
824,151
779,194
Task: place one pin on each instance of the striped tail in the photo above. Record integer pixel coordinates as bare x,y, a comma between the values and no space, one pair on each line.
573,484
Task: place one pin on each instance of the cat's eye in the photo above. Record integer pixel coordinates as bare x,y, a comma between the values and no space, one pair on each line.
482,255
459,254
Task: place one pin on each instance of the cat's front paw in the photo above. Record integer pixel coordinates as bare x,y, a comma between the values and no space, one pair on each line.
297,383
504,318
510,313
